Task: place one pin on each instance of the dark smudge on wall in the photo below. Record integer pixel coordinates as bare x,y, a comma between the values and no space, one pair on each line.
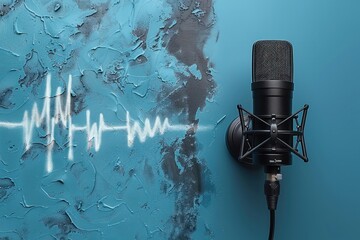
186,40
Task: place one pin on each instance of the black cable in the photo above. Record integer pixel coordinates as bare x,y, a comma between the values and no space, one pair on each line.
272,225
272,192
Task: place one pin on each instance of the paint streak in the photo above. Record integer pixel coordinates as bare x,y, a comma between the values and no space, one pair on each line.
5,96
186,172
63,222
34,70
186,42
93,21
5,185
7,7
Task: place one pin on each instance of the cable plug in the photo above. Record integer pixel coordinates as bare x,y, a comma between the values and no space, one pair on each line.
272,189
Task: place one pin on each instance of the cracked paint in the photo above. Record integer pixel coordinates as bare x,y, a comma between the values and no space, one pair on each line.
141,57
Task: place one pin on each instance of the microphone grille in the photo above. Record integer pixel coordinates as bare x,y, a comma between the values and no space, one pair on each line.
272,60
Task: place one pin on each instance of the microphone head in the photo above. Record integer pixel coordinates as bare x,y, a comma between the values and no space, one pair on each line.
272,60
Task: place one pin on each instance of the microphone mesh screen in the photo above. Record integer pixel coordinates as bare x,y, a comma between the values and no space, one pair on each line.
272,60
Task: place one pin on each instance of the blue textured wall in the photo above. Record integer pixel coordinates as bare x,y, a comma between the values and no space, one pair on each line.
133,100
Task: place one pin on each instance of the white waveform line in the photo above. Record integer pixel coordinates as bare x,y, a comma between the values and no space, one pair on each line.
94,131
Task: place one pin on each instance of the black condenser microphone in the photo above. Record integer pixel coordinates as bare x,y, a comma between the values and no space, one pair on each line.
272,88
266,136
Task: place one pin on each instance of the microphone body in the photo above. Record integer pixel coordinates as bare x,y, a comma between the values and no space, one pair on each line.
272,88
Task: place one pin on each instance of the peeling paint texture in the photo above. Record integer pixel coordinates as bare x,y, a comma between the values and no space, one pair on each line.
143,57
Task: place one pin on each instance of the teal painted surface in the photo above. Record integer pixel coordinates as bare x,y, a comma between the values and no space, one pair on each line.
188,62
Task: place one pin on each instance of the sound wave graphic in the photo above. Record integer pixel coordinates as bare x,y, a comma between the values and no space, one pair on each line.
94,131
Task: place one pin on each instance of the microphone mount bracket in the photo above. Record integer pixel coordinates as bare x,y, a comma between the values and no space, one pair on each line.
240,129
